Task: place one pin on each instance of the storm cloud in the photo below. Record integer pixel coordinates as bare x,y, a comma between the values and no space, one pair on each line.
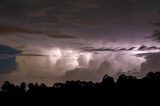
78,39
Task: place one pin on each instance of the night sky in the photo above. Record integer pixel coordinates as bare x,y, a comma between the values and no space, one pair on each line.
56,40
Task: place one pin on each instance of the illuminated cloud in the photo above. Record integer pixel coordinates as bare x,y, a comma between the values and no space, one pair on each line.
60,64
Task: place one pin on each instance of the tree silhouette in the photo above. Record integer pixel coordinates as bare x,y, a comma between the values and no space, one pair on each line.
7,86
127,88
22,87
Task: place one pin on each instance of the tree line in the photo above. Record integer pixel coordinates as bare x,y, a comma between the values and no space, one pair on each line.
127,89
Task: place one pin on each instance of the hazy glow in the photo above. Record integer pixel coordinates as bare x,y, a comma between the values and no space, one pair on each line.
55,55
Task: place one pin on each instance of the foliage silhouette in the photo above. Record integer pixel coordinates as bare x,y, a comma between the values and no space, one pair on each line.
127,90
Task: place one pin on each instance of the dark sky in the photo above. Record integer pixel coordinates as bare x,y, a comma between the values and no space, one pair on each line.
56,40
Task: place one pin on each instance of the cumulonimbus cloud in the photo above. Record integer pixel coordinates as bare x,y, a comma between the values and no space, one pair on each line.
61,64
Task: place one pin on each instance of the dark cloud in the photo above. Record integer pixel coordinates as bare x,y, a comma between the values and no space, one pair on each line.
143,54
76,44
61,36
32,55
156,36
16,30
8,58
117,49
92,49
156,24
8,50
102,19
142,47
131,48
151,64
4,56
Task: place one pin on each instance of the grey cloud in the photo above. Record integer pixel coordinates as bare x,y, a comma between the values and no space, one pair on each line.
92,49
16,30
151,64
132,48
32,55
143,54
8,58
92,18
156,36
142,47
61,36
8,50
13,30
89,74
156,24
77,10
80,74
118,49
